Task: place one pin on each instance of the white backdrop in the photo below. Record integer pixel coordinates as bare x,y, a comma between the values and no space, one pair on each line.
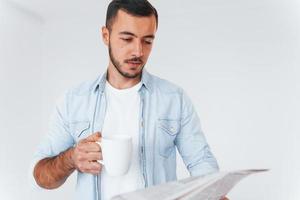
238,61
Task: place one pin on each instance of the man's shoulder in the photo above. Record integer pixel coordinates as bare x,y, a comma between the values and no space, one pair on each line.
84,88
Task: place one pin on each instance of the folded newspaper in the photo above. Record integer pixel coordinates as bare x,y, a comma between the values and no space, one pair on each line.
209,187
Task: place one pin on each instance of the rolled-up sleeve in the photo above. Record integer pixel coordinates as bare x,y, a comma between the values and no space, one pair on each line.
58,138
191,142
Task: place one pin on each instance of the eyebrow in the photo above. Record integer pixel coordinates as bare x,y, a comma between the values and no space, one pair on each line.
132,34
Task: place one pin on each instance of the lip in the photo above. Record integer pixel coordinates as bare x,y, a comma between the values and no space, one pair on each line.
134,63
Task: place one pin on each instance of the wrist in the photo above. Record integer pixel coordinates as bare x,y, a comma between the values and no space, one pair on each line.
69,159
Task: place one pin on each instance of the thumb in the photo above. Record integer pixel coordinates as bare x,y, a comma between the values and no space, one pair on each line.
95,137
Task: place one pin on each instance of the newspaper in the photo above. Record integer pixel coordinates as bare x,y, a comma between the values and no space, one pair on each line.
210,187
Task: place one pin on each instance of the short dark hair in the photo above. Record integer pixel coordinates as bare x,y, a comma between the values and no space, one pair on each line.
140,8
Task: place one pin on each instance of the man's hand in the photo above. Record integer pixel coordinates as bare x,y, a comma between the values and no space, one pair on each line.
52,172
86,153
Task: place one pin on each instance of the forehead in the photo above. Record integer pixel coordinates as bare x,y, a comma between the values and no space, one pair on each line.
135,24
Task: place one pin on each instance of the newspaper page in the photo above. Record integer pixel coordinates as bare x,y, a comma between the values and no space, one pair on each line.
209,187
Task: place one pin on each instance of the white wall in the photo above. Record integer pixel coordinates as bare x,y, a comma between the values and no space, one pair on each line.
20,101
238,61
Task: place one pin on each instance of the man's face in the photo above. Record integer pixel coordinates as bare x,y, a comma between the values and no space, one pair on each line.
130,42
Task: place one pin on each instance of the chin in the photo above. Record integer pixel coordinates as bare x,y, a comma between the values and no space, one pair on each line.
131,75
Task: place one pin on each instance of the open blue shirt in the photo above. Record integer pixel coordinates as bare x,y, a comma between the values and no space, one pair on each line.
167,120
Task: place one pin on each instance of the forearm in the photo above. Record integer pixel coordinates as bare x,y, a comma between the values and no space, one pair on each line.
50,173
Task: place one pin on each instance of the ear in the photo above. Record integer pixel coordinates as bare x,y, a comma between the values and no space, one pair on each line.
105,35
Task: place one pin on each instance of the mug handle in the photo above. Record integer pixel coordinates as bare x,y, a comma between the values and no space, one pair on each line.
100,161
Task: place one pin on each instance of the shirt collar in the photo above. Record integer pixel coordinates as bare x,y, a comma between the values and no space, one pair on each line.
146,81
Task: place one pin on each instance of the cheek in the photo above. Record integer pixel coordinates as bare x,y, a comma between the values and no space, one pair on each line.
118,48
147,51
123,49
123,54
119,52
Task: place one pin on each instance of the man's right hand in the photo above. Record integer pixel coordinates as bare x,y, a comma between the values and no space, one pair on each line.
86,153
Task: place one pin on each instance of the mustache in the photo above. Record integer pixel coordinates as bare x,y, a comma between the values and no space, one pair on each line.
136,59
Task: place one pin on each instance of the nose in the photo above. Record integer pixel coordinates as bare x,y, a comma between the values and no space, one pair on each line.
138,49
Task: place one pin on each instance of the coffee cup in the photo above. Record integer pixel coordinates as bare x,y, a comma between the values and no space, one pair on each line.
116,153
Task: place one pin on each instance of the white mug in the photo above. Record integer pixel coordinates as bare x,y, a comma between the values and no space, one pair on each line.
116,153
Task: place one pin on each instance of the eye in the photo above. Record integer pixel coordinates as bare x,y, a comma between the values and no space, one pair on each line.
126,39
148,41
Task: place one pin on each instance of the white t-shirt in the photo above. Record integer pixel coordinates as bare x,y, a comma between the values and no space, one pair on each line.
122,117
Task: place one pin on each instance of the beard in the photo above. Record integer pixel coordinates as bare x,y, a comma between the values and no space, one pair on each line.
117,64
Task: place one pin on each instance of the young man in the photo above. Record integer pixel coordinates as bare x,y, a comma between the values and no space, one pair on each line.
127,99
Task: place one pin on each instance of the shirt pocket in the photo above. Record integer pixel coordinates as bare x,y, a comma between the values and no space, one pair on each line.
80,130
166,131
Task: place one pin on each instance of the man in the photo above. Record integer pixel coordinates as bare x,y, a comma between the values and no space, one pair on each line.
127,99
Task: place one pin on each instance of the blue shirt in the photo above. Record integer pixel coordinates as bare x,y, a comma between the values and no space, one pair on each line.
167,120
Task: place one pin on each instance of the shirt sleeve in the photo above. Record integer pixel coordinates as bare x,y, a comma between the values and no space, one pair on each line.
58,138
191,142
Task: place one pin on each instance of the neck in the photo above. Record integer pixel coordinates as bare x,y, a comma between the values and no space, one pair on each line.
119,81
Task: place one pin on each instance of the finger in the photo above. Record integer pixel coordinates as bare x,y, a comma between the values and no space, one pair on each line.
89,147
88,167
88,156
95,137
94,166
95,172
93,156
